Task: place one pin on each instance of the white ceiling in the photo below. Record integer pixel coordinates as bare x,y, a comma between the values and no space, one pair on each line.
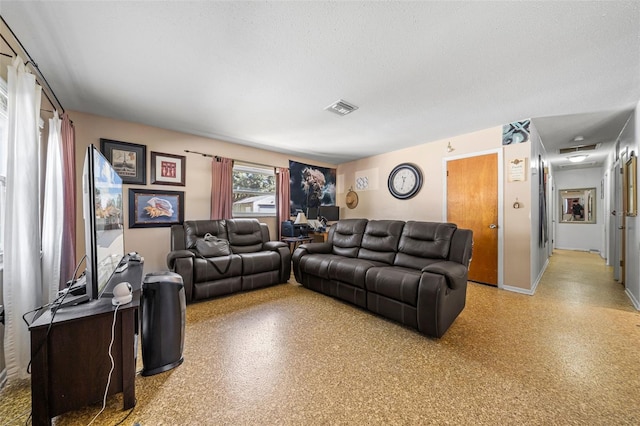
261,73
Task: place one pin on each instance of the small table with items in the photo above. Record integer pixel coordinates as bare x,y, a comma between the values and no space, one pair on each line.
294,242
319,236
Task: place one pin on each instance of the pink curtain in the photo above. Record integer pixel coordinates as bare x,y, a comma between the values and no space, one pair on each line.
283,196
221,188
68,260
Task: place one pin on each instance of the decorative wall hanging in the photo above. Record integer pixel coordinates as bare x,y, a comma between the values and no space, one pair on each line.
630,174
517,170
153,208
168,169
516,132
362,183
128,159
352,199
311,186
366,180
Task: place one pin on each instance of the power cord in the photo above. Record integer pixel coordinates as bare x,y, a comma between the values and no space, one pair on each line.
58,300
128,414
106,389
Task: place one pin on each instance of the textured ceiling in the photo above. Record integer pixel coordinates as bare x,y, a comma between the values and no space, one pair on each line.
261,73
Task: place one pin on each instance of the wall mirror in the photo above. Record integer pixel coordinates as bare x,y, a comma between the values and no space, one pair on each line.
578,205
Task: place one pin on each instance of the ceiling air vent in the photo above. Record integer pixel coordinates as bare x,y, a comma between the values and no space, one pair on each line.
341,107
578,148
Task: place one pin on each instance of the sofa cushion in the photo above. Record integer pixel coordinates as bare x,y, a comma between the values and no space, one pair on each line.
317,264
261,261
203,270
245,235
423,243
380,240
351,271
194,229
346,236
395,282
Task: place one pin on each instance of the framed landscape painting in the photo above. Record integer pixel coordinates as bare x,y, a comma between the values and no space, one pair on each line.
154,208
128,159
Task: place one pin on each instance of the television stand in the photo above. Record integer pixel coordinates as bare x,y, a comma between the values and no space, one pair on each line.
71,300
70,364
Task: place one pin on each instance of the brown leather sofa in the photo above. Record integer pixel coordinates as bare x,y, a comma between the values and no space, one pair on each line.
414,273
256,261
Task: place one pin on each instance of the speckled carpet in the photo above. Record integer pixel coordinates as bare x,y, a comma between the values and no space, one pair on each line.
286,355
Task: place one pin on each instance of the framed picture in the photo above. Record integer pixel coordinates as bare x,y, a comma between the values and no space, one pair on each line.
128,159
631,182
168,169
153,208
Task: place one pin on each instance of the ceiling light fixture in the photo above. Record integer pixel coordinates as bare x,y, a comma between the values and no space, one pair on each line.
578,139
577,158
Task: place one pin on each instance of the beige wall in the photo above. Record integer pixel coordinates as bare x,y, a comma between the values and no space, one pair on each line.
517,222
153,243
377,202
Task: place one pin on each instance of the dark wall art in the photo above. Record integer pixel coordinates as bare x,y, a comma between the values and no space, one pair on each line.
154,208
128,159
311,186
516,132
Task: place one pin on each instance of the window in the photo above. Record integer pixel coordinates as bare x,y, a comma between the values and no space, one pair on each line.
254,190
3,160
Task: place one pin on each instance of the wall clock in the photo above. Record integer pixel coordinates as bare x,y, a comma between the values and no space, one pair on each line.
404,181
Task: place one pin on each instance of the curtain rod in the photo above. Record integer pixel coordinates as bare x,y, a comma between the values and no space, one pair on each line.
201,153
217,157
33,64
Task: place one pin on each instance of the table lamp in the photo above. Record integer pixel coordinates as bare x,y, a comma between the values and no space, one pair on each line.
301,219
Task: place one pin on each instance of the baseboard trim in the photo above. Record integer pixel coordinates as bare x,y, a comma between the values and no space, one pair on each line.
532,291
635,302
518,290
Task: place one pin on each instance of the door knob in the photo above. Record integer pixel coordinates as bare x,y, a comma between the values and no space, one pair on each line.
493,226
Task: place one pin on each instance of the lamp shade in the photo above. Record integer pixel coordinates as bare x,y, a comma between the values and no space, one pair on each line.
301,219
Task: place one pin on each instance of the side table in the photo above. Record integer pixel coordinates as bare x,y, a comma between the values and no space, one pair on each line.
294,242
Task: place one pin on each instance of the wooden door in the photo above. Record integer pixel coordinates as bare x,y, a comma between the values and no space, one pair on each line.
472,203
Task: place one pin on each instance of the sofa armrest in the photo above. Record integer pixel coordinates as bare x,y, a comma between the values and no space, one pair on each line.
273,245
455,272
324,248
173,255
182,263
304,249
285,257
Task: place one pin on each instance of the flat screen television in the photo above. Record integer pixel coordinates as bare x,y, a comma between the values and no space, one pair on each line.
331,213
103,221
312,213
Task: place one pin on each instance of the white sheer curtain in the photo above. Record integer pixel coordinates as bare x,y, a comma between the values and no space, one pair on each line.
22,273
53,214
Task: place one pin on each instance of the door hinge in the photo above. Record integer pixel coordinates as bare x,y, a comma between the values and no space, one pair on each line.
621,263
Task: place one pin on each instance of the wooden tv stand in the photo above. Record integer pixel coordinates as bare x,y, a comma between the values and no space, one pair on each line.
70,367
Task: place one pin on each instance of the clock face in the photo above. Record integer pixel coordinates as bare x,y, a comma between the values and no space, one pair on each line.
405,181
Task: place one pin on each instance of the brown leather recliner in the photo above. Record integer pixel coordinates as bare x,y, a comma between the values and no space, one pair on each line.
411,272
255,262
